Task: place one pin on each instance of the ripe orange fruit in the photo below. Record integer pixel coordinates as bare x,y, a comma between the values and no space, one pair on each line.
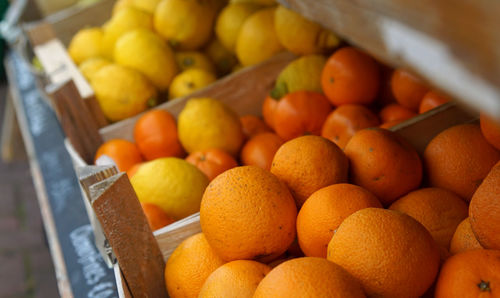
438,210
155,133
463,238
345,120
407,89
389,125
300,113
157,218
133,169
350,77
268,109
247,213
212,162
259,150
189,266
384,163
395,112
491,130
484,210
459,158
470,274
309,277
253,125
237,279
309,163
431,100
324,211
390,253
125,154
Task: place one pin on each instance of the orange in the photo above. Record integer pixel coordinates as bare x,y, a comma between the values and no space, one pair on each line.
155,133
325,210
470,274
237,279
459,158
268,109
407,89
438,210
491,130
384,163
247,213
390,253
133,169
463,238
189,266
394,112
259,150
484,210
212,162
391,124
345,120
309,163
300,113
350,77
157,218
253,125
125,154
431,100
308,278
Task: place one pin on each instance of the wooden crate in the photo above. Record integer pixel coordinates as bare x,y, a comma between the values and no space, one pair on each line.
418,131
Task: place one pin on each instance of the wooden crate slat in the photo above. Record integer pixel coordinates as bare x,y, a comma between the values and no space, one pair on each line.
455,45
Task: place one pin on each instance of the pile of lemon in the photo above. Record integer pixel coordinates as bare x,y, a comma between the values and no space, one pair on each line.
154,50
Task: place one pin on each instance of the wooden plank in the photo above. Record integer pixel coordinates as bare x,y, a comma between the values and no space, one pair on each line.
11,142
127,230
243,91
455,45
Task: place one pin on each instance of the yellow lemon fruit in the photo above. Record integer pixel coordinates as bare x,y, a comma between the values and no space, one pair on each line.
185,24
122,92
146,5
171,183
259,2
189,81
87,43
90,66
121,4
301,36
223,59
146,52
257,40
124,20
206,123
230,20
302,74
193,59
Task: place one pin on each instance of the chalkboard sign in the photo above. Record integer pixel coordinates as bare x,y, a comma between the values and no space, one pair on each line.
87,272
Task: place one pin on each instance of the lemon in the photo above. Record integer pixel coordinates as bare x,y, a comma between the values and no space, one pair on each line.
125,20
90,66
122,92
301,36
173,184
224,60
121,4
193,59
206,123
189,81
146,52
259,2
302,74
230,20
146,5
257,40
87,43
185,24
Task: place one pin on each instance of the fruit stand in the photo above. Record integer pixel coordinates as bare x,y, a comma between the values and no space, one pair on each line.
445,57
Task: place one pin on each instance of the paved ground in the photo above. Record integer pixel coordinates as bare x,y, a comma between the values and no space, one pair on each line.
26,268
